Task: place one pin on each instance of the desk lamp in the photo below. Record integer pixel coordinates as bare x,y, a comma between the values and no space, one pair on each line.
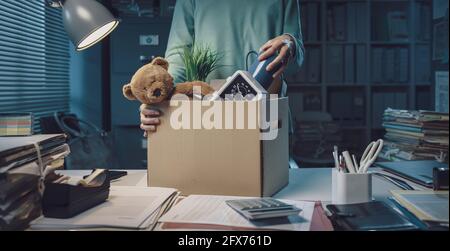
86,21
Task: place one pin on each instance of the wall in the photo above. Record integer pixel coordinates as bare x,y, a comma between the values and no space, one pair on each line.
85,84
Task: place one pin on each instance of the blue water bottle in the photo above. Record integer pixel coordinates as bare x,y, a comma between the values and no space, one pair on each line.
259,72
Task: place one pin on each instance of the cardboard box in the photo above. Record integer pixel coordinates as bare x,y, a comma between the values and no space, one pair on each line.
220,161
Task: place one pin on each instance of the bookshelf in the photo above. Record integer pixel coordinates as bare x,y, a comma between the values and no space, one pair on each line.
354,70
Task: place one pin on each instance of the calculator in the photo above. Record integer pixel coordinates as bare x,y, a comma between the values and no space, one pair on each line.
262,208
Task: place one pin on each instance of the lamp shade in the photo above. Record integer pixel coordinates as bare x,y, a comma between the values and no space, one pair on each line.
87,22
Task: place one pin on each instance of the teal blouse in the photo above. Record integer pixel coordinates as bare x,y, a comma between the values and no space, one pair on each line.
232,27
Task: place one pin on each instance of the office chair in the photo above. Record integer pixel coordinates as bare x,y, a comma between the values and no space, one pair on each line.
90,146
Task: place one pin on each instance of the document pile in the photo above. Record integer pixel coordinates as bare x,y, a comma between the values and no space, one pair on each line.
128,208
428,206
213,213
415,135
24,161
319,136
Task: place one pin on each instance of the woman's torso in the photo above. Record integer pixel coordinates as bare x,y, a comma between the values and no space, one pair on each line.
235,27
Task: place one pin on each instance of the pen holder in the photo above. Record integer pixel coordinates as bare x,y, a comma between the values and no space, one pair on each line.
349,188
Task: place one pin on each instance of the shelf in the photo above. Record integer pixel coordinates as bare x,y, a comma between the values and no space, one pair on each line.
293,84
390,89
312,43
390,1
423,42
346,42
390,85
423,84
407,89
354,127
385,43
343,1
351,85
356,85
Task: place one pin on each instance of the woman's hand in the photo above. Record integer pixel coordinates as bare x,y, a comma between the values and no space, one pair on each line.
281,45
149,119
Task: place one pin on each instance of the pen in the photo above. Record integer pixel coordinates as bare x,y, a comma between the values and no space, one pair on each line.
342,164
355,163
335,157
348,162
336,163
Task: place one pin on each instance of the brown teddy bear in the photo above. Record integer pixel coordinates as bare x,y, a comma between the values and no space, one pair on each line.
152,84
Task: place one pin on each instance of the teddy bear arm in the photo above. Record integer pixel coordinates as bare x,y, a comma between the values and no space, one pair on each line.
187,88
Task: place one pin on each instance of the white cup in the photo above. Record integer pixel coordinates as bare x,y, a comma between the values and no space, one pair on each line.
349,188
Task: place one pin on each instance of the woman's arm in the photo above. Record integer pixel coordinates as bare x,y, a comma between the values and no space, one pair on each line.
289,45
181,34
293,28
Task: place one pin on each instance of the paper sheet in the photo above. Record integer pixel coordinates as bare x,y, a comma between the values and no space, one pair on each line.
441,95
206,209
435,206
127,207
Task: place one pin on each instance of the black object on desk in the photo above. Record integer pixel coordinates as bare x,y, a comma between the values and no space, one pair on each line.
114,175
370,216
65,201
440,178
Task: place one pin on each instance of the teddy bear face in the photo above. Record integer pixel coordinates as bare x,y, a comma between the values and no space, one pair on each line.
151,84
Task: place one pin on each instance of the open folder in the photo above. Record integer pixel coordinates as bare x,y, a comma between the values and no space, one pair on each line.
426,205
24,161
18,151
132,208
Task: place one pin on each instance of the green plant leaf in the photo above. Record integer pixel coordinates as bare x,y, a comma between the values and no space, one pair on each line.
199,61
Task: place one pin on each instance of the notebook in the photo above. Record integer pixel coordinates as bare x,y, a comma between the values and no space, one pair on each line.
133,208
420,172
369,216
15,151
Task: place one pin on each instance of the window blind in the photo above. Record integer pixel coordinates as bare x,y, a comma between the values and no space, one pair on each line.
34,59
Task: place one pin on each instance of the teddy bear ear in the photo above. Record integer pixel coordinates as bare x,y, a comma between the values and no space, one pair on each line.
127,92
161,62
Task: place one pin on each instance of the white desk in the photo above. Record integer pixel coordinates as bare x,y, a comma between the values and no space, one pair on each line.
304,184
313,184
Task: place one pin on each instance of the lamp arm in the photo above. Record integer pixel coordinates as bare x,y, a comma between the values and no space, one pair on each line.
54,3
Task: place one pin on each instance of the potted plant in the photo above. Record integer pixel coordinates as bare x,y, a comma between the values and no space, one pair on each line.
199,61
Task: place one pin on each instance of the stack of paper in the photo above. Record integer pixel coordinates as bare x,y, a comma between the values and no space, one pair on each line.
21,173
415,135
425,205
212,212
133,208
16,124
